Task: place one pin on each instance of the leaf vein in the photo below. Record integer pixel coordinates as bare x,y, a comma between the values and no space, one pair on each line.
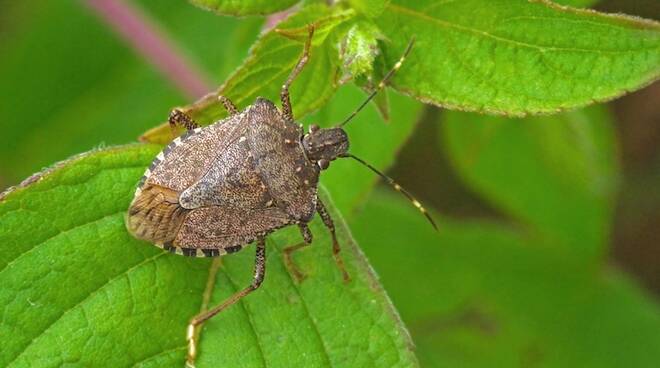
65,231
158,354
88,297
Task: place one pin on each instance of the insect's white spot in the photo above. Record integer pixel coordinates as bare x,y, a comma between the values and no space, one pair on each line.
263,186
160,156
178,251
197,130
306,182
138,191
177,141
397,65
269,203
287,141
242,139
199,253
299,169
397,187
417,204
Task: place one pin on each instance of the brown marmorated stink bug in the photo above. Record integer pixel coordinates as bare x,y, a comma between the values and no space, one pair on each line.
216,189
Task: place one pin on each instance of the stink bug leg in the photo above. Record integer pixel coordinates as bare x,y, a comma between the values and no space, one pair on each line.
327,221
287,111
307,236
288,251
180,118
198,320
226,102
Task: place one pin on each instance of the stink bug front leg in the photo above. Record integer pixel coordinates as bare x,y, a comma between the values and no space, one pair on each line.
287,111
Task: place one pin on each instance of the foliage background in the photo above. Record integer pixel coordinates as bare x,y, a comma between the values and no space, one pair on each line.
516,277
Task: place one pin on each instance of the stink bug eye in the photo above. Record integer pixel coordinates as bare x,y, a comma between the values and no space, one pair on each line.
323,164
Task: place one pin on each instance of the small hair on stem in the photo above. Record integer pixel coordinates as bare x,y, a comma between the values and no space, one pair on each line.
381,85
396,187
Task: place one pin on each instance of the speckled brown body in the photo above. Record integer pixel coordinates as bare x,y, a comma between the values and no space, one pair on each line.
218,188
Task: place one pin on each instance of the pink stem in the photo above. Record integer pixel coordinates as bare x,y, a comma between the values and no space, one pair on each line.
152,42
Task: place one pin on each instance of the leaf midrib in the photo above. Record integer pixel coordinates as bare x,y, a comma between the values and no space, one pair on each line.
541,49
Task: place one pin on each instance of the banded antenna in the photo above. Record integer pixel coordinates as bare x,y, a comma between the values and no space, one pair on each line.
396,187
381,85
389,180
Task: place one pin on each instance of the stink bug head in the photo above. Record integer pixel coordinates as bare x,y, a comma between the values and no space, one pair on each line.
324,145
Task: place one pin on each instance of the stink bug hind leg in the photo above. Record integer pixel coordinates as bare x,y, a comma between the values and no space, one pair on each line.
198,320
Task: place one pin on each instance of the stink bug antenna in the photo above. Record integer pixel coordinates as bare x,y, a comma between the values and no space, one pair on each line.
381,85
396,187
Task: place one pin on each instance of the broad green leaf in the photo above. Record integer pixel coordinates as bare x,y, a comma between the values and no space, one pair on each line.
244,7
70,273
370,139
481,295
370,8
517,57
270,61
106,93
557,174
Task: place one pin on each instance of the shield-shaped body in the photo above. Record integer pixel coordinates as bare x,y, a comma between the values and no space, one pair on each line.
215,189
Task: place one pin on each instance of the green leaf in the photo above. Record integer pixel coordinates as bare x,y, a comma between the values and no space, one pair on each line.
244,7
271,60
481,295
107,93
517,57
558,173
370,8
70,272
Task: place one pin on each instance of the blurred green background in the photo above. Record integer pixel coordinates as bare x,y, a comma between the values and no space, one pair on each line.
549,249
